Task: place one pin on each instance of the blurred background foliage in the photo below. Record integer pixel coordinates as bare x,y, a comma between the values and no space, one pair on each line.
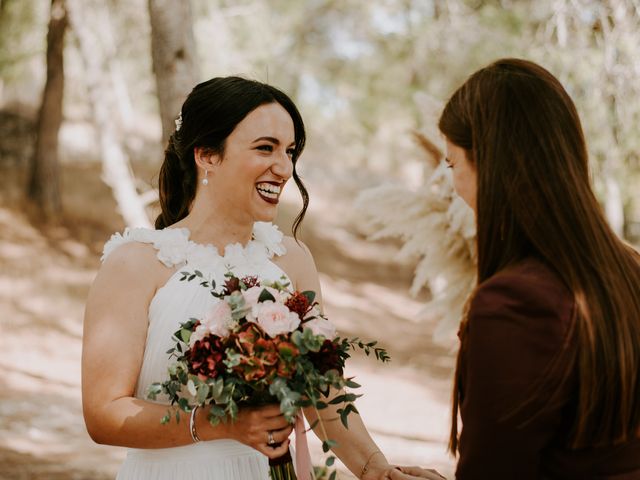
355,67
366,75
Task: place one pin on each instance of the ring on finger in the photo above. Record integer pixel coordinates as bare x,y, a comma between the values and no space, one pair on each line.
270,440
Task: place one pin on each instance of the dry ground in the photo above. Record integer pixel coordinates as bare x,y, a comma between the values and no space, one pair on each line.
45,273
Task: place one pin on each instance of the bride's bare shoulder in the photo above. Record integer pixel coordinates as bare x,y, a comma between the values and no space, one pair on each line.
295,248
298,264
132,256
133,265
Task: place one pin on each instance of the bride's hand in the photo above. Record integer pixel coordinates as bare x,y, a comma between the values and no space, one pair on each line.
263,428
414,473
377,472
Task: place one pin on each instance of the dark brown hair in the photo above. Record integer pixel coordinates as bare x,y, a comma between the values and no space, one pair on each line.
209,115
521,131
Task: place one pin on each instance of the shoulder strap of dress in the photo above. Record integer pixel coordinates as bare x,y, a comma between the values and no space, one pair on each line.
171,243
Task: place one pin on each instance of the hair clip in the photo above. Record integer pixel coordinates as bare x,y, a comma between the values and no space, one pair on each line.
178,122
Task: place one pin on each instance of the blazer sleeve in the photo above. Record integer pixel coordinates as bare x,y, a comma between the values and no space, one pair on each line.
517,326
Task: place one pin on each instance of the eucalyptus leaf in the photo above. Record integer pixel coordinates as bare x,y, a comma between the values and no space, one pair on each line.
183,403
311,296
328,445
216,389
266,296
217,411
232,409
351,384
154,390
343,418
202,393
185,335
320,405
351,397
191,388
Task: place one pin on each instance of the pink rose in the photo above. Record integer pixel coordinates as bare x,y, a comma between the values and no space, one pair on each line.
321,326
218,320
274,318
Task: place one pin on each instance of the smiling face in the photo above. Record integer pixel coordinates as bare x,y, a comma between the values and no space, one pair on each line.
248,180
464,174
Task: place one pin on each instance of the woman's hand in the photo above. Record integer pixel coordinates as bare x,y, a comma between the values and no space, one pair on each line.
263,428
414,473
376,468
377,473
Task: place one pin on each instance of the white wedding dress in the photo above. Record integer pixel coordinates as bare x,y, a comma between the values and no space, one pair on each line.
174,303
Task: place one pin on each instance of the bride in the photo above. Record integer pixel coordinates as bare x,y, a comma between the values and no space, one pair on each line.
235,147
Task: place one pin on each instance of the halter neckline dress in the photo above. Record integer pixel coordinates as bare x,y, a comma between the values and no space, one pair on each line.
173,303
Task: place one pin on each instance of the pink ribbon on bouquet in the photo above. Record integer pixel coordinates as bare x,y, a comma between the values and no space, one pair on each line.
303,467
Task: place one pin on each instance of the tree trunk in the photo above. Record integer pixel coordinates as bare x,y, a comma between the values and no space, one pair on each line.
174,57
88,18
44,181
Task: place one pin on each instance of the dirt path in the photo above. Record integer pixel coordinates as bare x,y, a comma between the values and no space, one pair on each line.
44,280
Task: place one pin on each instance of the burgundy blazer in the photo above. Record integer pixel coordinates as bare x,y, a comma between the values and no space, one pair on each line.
518,322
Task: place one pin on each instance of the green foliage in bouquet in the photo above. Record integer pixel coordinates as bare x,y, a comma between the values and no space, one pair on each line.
261,343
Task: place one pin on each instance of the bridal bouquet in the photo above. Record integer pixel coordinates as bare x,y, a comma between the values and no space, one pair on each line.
261,343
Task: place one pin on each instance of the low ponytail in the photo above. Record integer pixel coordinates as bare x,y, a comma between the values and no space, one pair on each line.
176,184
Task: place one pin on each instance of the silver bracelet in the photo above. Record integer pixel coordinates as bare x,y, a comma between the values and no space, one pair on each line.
192,425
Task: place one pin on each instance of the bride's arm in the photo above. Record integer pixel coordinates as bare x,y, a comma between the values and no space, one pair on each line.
114,338
355,447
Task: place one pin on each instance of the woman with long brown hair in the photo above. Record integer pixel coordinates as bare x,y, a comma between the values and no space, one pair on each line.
547,379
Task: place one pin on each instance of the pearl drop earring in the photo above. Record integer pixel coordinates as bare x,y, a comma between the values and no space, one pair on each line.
205,181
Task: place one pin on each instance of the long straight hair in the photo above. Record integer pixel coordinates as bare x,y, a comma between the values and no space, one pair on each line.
522,132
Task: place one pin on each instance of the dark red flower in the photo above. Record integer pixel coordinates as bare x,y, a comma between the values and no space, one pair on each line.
299,304
251,281
205,357
231,285
328,358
